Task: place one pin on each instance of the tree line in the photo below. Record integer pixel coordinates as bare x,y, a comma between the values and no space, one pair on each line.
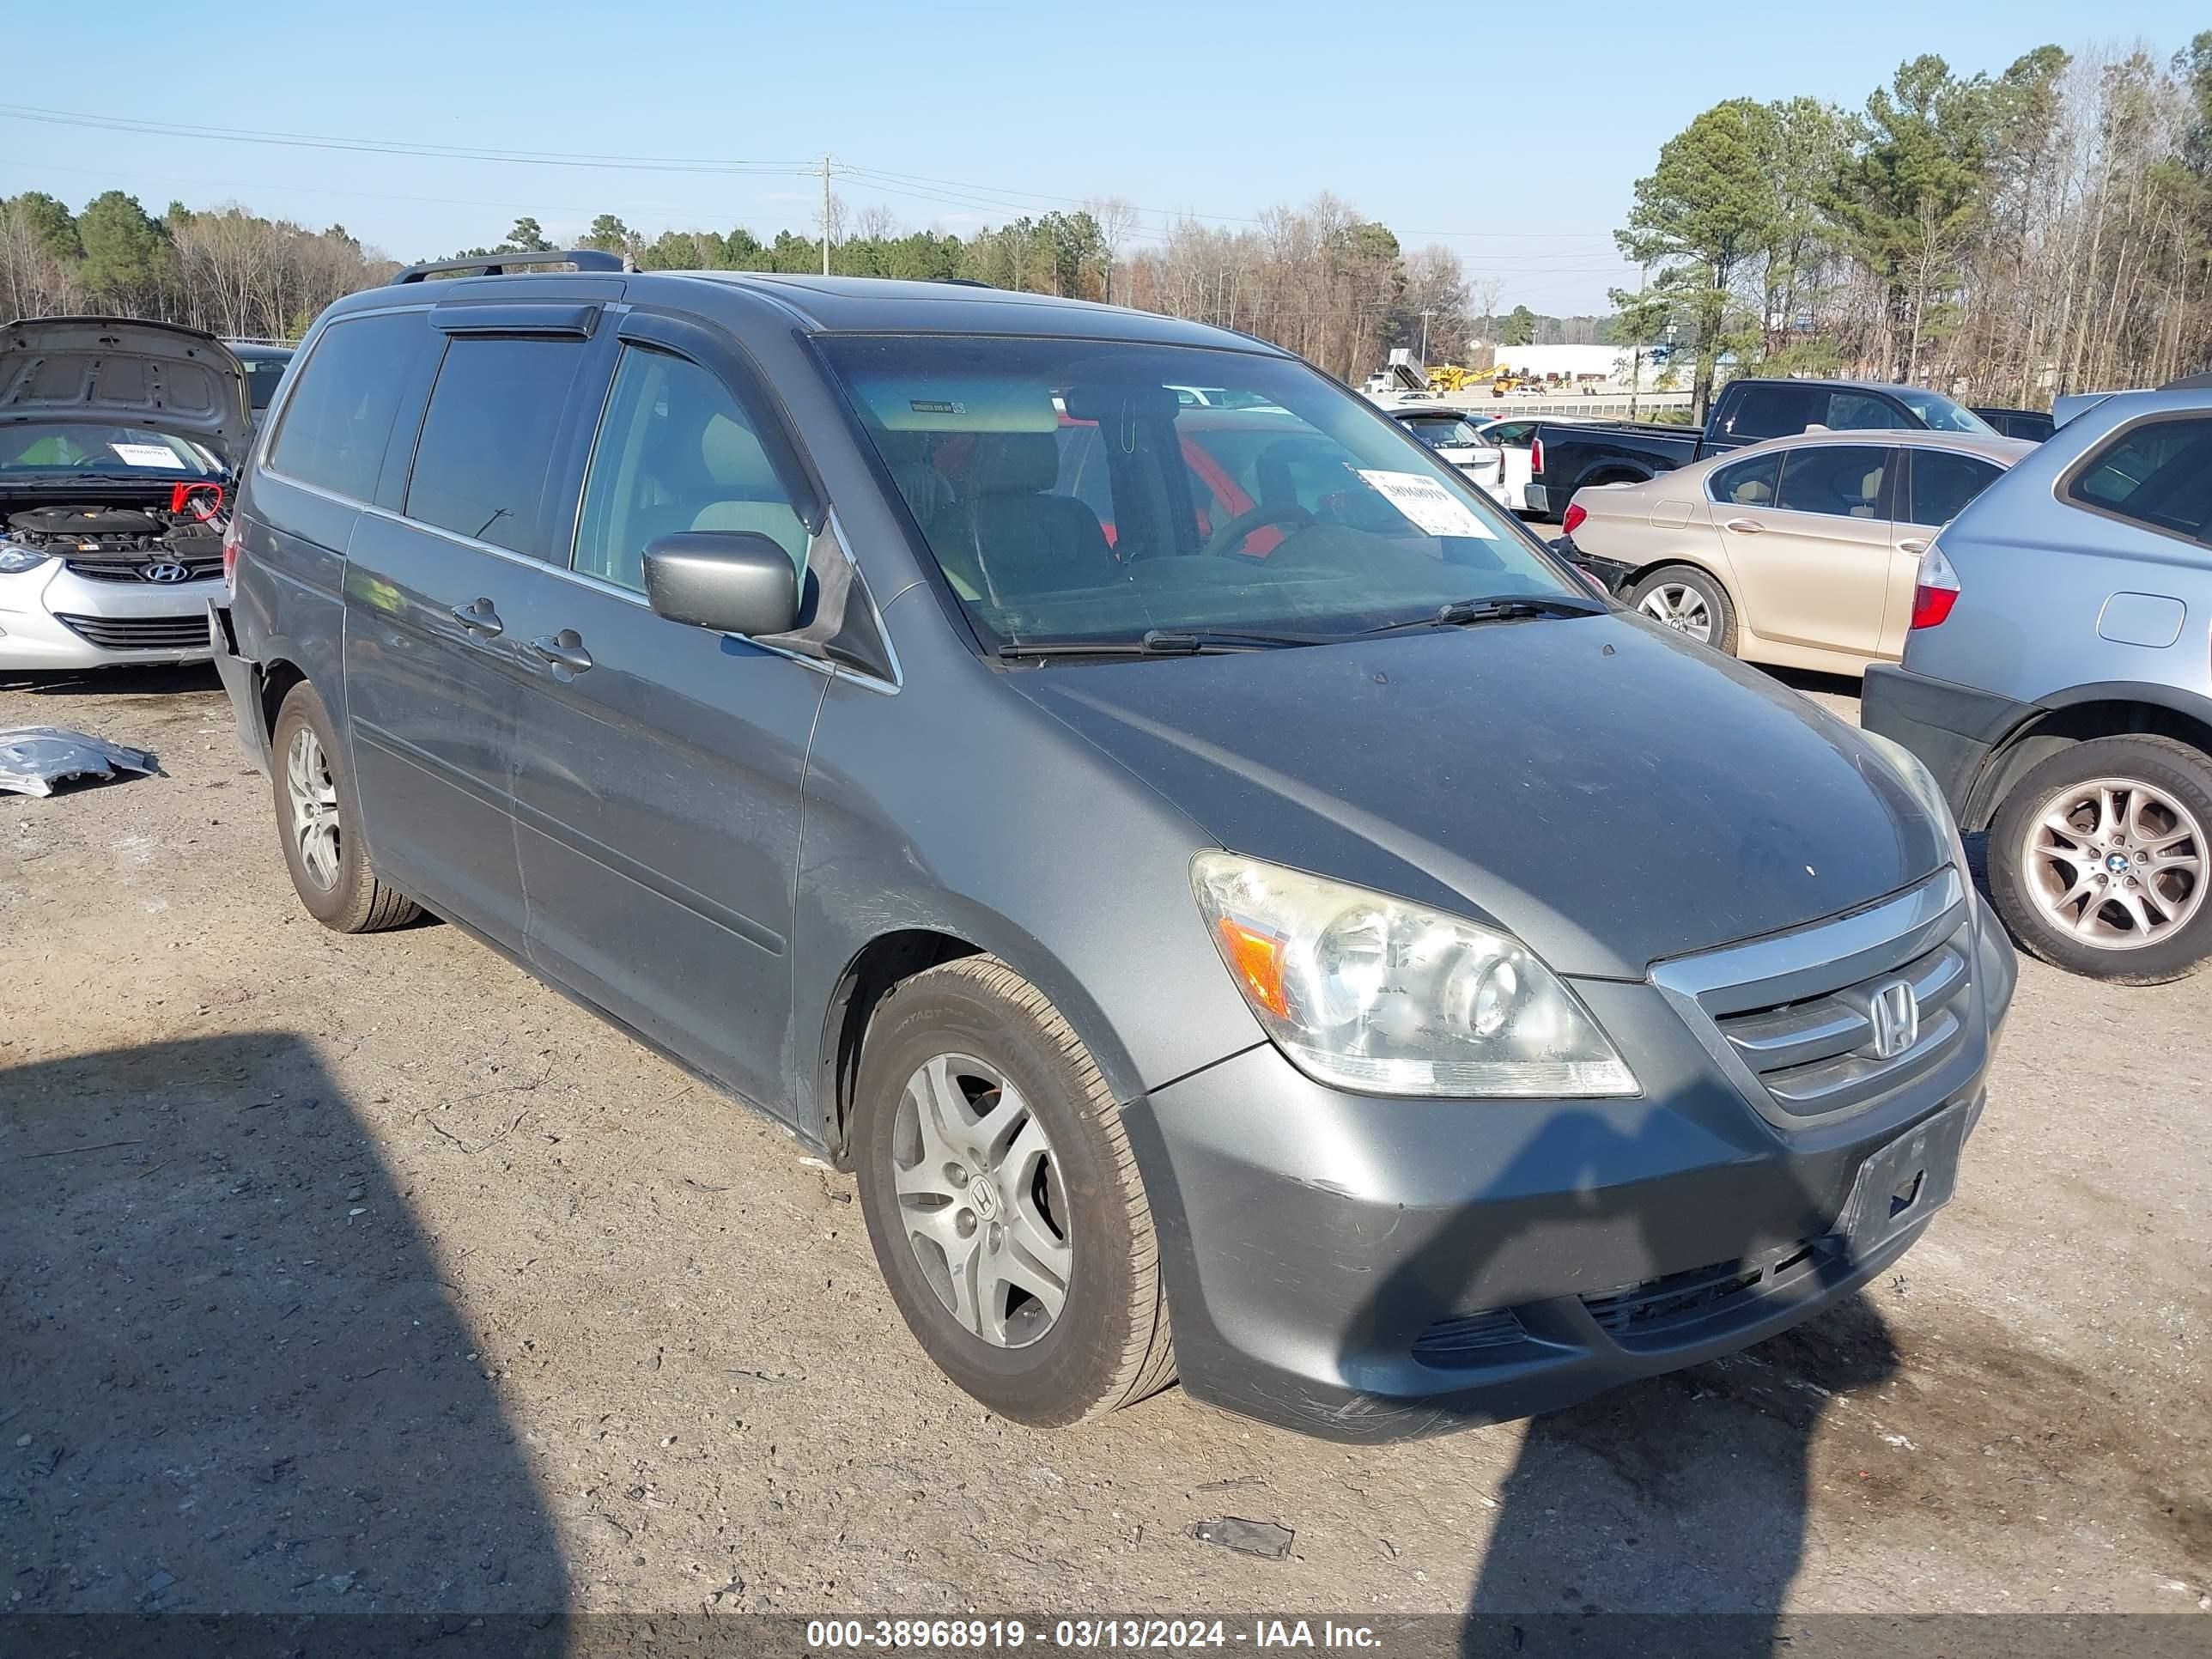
226,271
2006,238
1321,278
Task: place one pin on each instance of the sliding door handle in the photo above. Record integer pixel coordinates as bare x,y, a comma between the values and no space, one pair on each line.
564,651
480,619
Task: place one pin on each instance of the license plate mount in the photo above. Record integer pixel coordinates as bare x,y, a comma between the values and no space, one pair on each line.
1907,1181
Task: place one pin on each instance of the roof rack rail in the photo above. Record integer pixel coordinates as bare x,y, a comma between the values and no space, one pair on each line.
962,282
498,264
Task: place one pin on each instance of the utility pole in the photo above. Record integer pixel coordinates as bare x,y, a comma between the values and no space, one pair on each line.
825,216
1424,336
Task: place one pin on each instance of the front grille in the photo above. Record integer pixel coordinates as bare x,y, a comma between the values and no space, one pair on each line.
1469,1339
139,632
1816,1055
1649,1313
1793,1016
111,571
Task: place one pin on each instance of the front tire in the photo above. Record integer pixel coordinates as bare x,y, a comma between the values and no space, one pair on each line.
1003,1201
1686,599
2098,859
321,823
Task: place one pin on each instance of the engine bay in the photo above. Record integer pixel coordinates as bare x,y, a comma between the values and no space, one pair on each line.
123,542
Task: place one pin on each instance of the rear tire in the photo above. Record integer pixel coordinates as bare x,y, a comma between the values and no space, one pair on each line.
981,1128
320,824
2098,859
1693,602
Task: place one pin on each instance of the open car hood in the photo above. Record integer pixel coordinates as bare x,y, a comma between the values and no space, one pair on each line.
159,375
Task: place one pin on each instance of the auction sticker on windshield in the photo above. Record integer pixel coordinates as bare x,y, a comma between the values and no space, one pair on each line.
1434,510
147,455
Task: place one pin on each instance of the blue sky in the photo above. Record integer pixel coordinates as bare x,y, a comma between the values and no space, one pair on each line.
1427,117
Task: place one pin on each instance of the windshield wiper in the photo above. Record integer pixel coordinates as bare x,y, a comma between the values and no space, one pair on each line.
1158,642
1502,607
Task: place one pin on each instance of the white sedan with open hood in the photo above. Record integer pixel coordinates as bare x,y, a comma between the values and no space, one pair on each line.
118,443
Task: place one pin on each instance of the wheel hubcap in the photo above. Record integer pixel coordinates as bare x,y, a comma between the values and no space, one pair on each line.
314,795
981,1201
1681,607
2115,863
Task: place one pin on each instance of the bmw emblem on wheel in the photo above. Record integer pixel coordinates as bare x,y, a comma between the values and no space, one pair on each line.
165,573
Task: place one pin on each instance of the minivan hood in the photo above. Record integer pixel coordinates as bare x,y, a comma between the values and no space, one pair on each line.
158,375
1606,790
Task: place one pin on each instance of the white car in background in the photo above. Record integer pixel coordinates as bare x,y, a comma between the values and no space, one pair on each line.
1511,436
117,444
1451,433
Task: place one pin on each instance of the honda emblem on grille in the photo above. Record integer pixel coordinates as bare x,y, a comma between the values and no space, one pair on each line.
1896,1016
165,573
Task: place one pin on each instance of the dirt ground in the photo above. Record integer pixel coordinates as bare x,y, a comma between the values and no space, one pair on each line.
370,1273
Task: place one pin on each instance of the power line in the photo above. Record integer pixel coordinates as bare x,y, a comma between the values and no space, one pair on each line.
920,186
395,147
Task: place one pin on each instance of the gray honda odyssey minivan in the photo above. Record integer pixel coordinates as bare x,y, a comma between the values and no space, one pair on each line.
1209,875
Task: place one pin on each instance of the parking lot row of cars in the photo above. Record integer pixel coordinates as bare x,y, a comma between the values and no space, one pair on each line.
1206,868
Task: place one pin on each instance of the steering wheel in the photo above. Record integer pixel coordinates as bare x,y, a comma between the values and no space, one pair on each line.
1251,519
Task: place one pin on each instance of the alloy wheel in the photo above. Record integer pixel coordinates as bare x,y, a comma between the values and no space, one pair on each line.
313,793
1680,606
981,1201
2115,863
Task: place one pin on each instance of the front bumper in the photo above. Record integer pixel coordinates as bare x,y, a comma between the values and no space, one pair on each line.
106,620
1952,728
1364,1269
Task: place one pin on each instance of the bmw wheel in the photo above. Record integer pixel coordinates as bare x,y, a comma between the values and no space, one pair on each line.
1687,600
2098,859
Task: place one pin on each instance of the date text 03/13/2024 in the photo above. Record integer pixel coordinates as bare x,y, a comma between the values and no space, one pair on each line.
1111,1635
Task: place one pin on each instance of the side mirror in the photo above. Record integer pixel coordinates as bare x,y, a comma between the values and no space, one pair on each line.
734,581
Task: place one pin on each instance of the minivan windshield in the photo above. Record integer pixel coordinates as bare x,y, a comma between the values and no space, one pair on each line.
1940,413
1069,494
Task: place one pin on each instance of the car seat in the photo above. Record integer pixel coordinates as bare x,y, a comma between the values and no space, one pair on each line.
1868,502
736,464
1007,536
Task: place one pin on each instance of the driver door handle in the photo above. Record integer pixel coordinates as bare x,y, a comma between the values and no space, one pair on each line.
564,650
1744,527
480,619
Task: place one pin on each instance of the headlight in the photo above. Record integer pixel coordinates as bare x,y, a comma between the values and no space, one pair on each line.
1372,993
1921,784
15,559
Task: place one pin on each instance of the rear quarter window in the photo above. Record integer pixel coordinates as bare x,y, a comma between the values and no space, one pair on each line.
339,417
1746,484
2158,474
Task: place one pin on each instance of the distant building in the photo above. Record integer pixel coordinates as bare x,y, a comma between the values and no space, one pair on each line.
1569,364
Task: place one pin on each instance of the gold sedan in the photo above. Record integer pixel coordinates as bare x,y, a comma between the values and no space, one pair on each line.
1800,551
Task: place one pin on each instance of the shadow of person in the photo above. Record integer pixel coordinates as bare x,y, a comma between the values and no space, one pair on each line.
231,1379
1684,1492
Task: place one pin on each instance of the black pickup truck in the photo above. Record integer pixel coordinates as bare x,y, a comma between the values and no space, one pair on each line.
1565,458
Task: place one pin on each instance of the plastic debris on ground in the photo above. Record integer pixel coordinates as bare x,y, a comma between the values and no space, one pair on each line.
34,758
1262,1538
